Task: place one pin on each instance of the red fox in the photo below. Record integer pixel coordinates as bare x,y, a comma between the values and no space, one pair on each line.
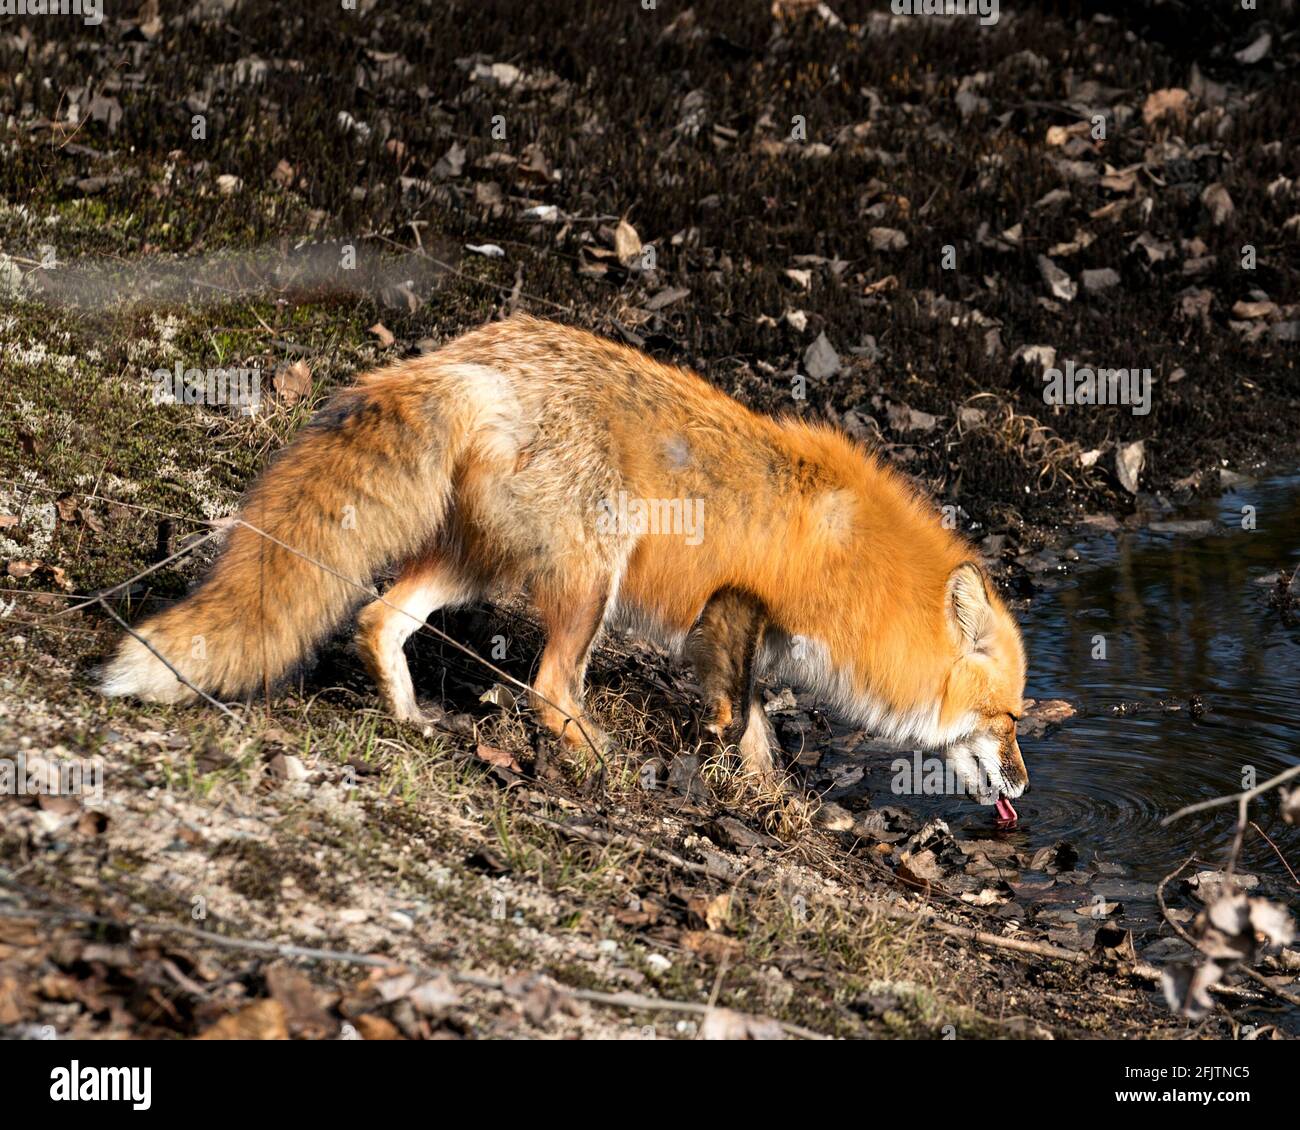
613,490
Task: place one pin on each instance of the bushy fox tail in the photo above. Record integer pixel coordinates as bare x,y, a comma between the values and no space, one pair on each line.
365,483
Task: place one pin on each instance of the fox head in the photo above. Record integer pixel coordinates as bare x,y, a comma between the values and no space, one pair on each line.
985,688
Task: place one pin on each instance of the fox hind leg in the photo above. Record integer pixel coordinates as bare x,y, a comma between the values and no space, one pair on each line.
723,647
383,627
571,617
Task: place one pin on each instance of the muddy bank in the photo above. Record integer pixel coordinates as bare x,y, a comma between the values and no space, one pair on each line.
894,223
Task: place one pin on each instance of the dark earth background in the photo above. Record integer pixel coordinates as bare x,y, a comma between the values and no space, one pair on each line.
353,125
128,245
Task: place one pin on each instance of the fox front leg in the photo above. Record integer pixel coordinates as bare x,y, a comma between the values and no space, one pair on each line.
722,646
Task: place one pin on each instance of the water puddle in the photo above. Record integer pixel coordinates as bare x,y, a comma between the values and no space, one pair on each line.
1180,613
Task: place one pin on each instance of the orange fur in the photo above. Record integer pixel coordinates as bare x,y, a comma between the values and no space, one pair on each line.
485,465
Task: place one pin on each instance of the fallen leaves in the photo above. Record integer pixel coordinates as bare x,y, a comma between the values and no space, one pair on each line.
303,1013
887,239
1040,716
1257,50
726,1024
500,758
20,569
1102,279
1218,203
666,297
1194,306
820,360
372,1027
261,1020
712,946
1233,928
292,382
1129,460
627,244
1057,280
1168,105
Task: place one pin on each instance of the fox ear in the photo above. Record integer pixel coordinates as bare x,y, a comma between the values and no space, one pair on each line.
967,600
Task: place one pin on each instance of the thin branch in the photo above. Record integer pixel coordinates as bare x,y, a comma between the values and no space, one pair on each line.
1278,852
1243,800
1248,795
99,596
633,1001
1258,978
161,659
969,933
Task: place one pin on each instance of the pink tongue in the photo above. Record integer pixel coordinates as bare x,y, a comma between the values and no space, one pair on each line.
1006,813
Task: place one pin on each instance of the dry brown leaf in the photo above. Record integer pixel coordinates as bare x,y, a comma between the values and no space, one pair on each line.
717,912
1243,309
627,244
715,947
305,1018
261,1020
283,173
1218,202
1128,464
374,1027
12,999
1171,103
726,1024
293,382
499,757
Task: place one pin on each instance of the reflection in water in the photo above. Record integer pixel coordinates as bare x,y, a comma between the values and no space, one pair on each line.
1178,616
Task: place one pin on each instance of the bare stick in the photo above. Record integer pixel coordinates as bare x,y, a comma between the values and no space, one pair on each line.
634,1001
969,933
99,596
1258,978
1248,795
158,655
1278,852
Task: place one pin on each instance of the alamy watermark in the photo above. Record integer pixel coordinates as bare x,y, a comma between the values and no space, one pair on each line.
42,776
680,516
933,776
239,388
987,10
76,1083
1082,384
90,11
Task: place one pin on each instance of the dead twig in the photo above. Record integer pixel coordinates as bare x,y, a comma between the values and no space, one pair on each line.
1276,851
1243,800
161,659
1258,978
632,1001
